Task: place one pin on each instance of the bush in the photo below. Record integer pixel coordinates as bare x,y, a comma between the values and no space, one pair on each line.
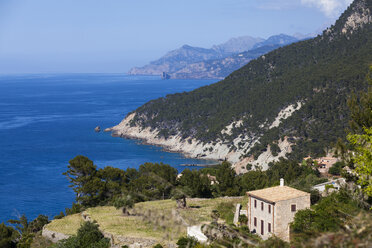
329,215
37,224
275,149
243,220
8,236
88,236
59,216
336,168
187,242
226,211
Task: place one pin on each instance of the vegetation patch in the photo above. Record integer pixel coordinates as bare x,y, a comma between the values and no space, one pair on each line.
157,220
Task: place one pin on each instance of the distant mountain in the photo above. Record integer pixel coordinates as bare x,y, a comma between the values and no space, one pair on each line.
281,39
300,36
237,45
220,68
176,60
216,62
290,102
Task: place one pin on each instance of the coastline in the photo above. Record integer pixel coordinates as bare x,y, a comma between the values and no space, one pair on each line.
192,148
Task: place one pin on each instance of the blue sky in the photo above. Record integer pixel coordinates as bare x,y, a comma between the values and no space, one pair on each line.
56,36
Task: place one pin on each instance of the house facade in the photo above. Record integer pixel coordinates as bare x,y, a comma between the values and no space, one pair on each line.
271,210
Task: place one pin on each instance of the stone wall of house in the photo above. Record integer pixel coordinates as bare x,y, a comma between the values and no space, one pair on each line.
283,215
261,215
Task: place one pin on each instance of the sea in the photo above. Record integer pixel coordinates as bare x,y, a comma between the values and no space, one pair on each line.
48,119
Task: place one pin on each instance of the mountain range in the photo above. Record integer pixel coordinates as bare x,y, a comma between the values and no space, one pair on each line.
290,102
216,62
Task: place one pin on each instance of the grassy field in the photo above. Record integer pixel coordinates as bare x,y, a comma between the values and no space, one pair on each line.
67,225
156,220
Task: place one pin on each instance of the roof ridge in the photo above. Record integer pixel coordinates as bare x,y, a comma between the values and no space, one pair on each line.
277,193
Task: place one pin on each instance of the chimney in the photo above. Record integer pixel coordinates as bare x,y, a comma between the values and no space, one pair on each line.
281,182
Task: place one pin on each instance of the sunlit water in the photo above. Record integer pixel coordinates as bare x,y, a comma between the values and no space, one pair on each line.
46,120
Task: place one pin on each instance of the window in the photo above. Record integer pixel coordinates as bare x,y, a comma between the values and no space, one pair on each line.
269,208
262,227
255,221
255,203
293,207
262,206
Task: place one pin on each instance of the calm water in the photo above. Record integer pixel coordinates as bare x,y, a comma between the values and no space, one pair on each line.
46,120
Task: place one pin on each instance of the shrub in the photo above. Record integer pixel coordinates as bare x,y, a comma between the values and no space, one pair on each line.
187,242
88,236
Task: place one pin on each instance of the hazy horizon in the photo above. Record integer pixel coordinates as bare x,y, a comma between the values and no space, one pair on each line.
49,36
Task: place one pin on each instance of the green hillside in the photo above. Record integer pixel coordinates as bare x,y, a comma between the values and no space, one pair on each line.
321,73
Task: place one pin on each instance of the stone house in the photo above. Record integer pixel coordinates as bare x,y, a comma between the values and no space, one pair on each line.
271,210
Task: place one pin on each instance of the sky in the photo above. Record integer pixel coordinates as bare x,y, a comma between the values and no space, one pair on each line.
111,36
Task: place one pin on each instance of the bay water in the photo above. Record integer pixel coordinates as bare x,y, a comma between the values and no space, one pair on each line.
46,120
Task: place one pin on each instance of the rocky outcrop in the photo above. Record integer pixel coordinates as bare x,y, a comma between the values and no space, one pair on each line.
285,114
360,17
53,236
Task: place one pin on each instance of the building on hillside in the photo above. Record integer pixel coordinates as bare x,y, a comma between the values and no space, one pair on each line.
324,163
333,185
271,210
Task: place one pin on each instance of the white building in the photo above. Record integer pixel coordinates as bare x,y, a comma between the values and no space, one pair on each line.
335,184
271,210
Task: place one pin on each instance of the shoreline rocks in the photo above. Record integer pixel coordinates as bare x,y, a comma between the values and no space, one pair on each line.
193,148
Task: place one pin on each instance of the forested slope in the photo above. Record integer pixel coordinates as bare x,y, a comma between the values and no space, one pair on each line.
310,81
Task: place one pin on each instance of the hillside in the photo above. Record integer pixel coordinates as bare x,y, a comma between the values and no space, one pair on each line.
290,102
216,62
151,222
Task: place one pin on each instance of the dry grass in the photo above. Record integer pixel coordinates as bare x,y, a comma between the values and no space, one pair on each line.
67,225
159,220
111,220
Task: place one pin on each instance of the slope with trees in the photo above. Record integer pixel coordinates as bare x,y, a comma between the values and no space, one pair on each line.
314,76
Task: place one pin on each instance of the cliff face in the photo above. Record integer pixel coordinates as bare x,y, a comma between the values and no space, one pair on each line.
290,102
218,62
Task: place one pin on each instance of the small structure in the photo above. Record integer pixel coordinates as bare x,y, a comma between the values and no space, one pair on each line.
196,232
325,163
334,184
238,212
271,210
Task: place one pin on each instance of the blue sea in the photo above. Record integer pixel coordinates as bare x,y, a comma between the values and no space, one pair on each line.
46,120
